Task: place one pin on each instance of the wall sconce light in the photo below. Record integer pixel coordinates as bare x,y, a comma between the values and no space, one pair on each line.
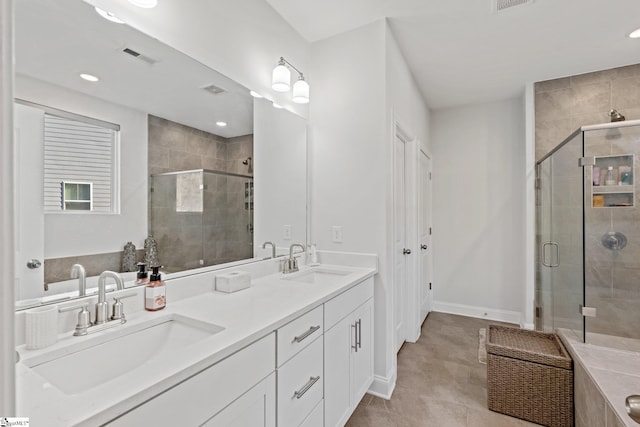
281,81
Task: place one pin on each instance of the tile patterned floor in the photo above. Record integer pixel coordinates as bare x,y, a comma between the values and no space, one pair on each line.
440,382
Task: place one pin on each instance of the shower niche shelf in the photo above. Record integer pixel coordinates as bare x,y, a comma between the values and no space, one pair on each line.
621,194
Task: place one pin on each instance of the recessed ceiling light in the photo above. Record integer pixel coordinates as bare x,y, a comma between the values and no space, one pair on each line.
109,16
89,77
635,34
147,4
255,94
278,106
221,124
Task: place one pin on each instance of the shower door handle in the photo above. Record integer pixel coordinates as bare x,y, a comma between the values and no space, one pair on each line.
544,254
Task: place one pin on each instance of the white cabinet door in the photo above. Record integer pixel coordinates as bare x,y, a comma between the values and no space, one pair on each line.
337,361
362,354
348,364
255,408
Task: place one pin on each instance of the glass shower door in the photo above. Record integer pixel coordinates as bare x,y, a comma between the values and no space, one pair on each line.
560,223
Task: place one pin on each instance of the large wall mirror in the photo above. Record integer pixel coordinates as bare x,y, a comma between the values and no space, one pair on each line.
158,144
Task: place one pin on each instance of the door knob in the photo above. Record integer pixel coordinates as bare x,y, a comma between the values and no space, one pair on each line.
33,264
406,251
423,247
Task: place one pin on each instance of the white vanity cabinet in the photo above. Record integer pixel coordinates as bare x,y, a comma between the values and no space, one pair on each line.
237,391
348,351
300,369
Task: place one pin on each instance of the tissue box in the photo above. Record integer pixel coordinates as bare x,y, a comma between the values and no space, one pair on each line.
233,281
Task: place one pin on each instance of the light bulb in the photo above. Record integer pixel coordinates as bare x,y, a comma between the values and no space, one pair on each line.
301,91
281,78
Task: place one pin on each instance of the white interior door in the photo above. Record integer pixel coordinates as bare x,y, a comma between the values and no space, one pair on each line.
424,235
29,200
400,243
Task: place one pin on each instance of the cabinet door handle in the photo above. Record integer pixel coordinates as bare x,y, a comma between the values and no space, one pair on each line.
306,334
359,335
299,393
355,338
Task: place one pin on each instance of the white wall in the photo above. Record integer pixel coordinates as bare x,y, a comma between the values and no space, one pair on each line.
241,39
85,234
479,209
359,78
280,187
349,159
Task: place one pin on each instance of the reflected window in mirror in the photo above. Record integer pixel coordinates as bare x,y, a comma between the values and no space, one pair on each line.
79,165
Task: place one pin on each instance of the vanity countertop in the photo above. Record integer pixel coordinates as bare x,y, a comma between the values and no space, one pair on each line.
246,315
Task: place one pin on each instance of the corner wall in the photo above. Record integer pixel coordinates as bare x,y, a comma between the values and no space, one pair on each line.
479,210
359,79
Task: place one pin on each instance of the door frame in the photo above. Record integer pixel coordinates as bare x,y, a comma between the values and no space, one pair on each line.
423,152
411,305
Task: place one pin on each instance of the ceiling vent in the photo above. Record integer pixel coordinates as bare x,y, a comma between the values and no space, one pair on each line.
500,5
213,89
139,56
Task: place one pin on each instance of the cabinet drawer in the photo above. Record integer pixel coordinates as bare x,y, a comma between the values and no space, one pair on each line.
300,385
298,334
195,400
315,418
345,303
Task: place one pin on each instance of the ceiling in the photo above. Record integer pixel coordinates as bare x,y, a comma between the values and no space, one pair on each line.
462,52
56,41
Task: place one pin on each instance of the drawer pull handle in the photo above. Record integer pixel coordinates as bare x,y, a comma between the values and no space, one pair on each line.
306,334
312,380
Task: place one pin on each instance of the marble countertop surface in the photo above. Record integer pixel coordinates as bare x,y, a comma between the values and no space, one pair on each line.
616,372
246,316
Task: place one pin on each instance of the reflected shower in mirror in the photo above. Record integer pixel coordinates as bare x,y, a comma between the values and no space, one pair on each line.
174,115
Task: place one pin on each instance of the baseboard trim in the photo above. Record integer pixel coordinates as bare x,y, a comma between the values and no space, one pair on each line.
383,386
479,312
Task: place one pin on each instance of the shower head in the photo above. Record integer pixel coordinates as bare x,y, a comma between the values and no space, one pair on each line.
615,116
247,161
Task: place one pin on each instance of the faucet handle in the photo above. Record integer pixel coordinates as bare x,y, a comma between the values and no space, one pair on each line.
118,307
84,318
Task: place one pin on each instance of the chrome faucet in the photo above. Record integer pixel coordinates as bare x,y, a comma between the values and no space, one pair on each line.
273,248
78,272
291,264
102,306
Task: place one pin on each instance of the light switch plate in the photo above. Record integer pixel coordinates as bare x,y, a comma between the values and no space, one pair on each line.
286,232
336,234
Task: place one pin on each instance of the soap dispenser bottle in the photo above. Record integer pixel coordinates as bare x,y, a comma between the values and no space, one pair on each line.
154,292
142,277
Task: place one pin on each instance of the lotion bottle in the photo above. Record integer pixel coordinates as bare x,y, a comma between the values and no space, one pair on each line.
142,277
154,292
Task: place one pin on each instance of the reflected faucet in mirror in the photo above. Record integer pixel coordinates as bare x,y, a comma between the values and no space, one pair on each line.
78,272
273,248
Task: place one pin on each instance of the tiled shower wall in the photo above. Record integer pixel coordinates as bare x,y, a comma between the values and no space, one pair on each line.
612,278
222,231
563,105
176,147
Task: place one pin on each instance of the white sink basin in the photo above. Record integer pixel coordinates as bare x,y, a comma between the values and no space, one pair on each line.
318,276
102,358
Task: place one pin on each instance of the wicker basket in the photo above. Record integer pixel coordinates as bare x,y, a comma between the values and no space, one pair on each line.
529,376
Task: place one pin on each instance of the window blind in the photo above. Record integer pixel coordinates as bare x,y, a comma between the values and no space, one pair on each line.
77,151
